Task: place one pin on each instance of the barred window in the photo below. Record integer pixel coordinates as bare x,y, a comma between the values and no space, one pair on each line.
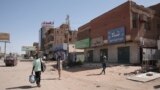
134,20
147,24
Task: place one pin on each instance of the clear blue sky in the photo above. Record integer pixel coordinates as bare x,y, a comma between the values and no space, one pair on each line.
23,18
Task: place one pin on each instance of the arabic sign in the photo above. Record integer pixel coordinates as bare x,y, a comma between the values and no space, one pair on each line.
97,41
4,37
47,23
28,48
116,35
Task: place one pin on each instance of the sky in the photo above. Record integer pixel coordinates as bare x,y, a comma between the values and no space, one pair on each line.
23,18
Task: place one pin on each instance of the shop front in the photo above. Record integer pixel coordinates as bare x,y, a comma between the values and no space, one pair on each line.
85,44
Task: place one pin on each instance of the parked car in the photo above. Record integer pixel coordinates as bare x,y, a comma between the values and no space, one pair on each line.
10,61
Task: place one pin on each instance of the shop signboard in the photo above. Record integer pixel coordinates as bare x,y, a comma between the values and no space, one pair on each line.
47,23
85,43
28,48
116,35
97,41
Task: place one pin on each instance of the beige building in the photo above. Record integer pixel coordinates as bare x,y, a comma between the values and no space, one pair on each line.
59,39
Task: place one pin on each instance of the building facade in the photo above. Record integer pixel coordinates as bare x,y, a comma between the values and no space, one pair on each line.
59,38
44,28
121,34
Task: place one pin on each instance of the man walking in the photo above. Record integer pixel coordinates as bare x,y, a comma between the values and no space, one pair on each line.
59,66
37,69
104,65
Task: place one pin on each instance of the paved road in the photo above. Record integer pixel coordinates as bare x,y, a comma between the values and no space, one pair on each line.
16,78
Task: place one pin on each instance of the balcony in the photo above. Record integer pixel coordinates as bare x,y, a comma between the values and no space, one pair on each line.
50,31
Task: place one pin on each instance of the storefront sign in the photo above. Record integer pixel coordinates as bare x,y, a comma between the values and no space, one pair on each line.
85,43
28,48
97,41
47,23
116,35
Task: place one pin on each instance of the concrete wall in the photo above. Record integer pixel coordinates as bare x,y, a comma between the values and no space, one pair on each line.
113,52
96,55
134,52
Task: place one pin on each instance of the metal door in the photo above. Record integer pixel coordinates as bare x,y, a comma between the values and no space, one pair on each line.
124,55
90,56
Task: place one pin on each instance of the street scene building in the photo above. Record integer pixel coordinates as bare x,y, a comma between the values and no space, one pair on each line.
116,50
123,34
44,28
60,38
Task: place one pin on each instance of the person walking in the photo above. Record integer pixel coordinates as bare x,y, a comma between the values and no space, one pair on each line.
104,65
37,70
59,65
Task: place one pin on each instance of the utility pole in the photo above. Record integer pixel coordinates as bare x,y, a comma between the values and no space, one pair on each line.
5,49
67,32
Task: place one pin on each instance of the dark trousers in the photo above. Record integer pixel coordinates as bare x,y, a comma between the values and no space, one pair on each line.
38,77
103,71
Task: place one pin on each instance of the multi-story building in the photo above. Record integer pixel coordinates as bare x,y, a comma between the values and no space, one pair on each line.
59,39
122,34
45,27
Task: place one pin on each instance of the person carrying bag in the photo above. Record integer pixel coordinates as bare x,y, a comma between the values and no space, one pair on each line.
43,66
37,68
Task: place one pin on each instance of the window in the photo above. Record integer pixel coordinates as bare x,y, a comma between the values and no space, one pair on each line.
52,38
61,40
134,20
70,39
65,35
147,24
158,26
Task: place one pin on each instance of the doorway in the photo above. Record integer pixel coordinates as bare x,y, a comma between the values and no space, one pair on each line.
124,55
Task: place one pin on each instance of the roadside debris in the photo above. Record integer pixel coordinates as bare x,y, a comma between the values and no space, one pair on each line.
144,77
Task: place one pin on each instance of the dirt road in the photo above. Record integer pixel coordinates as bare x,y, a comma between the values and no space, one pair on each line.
16,78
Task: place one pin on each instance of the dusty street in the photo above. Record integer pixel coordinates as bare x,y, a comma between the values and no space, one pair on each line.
16,78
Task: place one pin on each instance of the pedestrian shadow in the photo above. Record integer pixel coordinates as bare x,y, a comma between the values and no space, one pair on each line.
50,79
93,74
2,65
80,68
157,86
21,87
